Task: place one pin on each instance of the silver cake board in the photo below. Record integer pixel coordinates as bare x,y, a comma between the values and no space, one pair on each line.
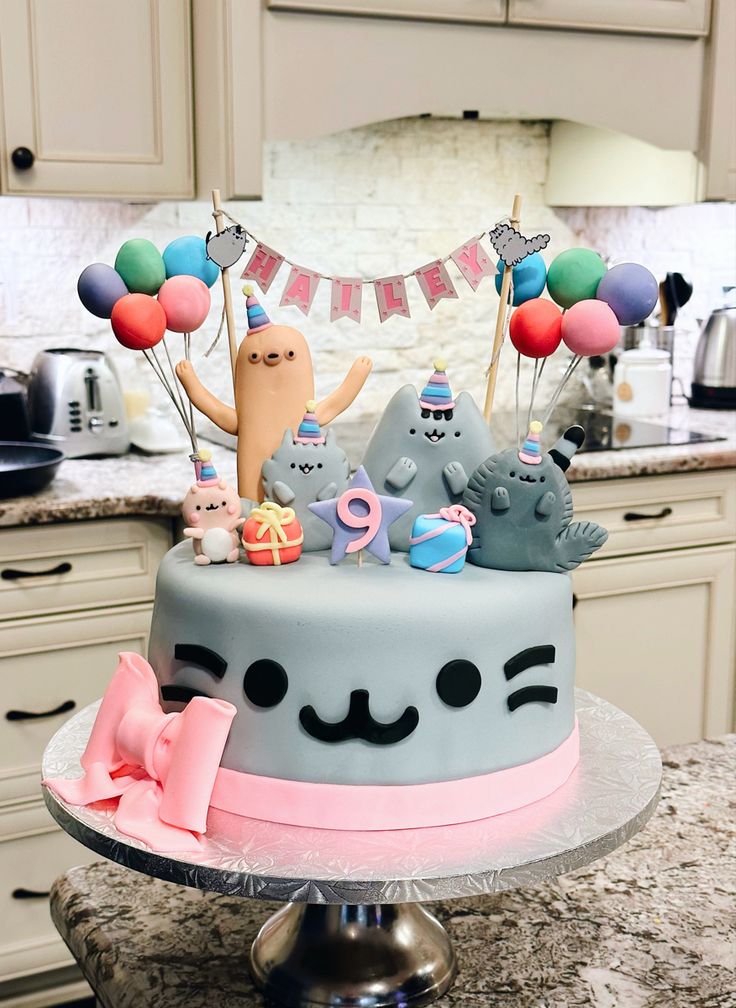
353,934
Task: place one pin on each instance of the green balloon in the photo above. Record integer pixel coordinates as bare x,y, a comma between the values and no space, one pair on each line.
140,265
574,276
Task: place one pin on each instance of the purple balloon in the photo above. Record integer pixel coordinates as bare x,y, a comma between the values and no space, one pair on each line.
99,287
631,292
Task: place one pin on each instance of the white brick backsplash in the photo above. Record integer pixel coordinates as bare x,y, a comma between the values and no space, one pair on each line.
373,201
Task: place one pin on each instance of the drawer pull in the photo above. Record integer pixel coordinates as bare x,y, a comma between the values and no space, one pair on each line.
23,894
11,574
638,516
24,715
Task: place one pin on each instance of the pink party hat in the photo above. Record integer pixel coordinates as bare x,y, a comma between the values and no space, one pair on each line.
257,318
531,451
309,432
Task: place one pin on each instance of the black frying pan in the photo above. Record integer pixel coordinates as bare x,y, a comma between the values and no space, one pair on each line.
26,468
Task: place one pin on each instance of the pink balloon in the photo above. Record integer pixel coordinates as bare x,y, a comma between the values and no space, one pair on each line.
186,302
590,328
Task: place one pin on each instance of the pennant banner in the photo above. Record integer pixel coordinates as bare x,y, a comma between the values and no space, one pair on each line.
346,298
435,283
300,289
391,297
263,266
473,262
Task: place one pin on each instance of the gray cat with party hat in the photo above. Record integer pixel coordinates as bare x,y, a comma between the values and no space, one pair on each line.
523,507
424,448
307,467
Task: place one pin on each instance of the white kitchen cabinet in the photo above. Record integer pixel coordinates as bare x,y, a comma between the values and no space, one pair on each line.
668,17
97,98
85,593
656,607
718,147
446,10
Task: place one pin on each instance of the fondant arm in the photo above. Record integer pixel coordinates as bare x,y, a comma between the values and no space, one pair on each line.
283,493
328,491
339,400
456,478
218,412
500,499
545,504
194,533
401,473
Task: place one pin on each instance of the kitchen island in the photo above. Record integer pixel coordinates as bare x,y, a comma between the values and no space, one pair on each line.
648,926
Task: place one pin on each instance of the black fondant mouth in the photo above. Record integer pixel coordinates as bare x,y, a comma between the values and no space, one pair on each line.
434,436
306,468
528,479
359,723
212,507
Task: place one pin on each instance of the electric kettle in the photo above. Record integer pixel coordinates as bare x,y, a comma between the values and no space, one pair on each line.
714,371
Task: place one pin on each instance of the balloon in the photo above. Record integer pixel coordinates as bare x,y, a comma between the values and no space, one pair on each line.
535,328
186,303
138,321
630,290
574,276
99,287
140,265
529,278
188,255
590,328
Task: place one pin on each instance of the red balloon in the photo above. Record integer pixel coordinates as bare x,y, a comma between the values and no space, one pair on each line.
138,321
536,328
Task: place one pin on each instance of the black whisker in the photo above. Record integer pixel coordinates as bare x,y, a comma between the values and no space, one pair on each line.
532,694
542,654
180,694
196,654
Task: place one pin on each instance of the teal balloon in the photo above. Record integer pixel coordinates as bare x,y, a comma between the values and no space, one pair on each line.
529,278
187,256
140,265
574,276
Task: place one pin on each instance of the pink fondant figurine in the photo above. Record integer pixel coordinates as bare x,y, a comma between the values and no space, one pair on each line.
211,510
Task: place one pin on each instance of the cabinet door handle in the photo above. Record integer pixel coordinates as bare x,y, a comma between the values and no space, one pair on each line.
24,894
24,715
22,158
12,574
638,516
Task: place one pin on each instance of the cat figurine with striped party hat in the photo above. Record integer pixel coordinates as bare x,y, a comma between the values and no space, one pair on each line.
522,505
424,447
211,512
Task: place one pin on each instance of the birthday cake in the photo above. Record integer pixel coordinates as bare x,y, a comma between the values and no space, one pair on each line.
392,650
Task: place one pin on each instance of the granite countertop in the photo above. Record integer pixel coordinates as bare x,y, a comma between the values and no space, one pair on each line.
648,926
154,485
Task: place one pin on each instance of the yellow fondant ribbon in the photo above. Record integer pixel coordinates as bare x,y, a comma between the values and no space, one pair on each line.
272,518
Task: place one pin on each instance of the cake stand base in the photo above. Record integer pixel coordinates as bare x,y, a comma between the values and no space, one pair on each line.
383,955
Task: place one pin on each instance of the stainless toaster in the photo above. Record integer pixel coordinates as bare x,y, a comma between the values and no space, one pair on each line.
76,403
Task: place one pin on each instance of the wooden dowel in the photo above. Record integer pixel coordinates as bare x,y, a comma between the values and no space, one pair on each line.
498,336
227,293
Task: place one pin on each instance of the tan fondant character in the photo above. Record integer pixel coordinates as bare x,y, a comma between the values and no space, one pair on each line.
211,510
273,380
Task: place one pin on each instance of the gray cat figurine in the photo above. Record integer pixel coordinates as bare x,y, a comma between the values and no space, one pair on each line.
299,473
523,506
424,448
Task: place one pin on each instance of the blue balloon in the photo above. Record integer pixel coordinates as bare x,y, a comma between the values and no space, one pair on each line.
630,291
529,278
99,287
187,256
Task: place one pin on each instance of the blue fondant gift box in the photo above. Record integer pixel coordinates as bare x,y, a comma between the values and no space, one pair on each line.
440,541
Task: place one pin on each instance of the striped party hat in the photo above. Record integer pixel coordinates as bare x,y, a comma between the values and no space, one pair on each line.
207,474
257,318
437,394
309,432
531,450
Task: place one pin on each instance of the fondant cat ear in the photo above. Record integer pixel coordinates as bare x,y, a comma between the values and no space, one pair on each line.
288,439
329,435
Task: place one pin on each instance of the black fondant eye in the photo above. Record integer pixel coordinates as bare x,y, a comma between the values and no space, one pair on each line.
224,503
265,683
290,355
541,479
457,433
458,683
293,465
319,465
199,507
413,430
512,474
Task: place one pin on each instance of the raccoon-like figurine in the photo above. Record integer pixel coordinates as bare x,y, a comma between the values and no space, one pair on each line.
424,448
305,468
523,506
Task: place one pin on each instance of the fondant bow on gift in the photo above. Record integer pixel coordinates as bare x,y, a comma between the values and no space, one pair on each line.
161,766
459,515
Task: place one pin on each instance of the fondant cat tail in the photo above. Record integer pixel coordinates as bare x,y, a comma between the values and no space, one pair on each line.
576,543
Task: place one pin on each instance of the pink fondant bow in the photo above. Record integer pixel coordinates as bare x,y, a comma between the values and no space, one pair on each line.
161,766
458,514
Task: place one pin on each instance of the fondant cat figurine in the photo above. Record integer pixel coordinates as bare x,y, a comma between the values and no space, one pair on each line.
424,448
273,380
302,472
211,510
523,507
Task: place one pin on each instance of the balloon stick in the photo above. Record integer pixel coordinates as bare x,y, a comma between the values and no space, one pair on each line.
500,318
227,294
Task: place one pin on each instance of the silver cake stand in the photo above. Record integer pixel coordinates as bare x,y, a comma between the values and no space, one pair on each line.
353,934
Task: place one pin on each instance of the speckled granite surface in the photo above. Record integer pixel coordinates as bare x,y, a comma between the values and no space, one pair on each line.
147,485
649,926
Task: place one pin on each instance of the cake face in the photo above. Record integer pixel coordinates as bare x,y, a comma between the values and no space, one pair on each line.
369,675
